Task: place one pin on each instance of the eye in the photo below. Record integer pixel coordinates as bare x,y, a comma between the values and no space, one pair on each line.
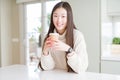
54,15
63,16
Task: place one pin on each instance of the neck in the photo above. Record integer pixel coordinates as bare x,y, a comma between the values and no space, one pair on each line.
60,32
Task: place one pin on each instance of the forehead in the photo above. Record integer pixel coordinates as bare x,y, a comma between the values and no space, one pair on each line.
60,11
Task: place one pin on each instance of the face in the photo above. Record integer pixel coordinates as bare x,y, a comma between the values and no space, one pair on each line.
60,19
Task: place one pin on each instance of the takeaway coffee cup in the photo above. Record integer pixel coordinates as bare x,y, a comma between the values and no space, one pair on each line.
54,36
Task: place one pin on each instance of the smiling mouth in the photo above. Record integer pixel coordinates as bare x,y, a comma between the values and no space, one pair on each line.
59,25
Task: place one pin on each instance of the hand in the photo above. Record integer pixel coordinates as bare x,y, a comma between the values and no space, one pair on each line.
47,46
59,45
55,45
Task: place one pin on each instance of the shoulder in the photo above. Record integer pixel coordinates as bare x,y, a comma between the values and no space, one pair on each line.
77,33
78,38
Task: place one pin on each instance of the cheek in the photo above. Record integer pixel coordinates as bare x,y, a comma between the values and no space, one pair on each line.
65,21
54,21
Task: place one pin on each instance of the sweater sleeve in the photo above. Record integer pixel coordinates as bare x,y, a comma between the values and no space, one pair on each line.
79,60
47,62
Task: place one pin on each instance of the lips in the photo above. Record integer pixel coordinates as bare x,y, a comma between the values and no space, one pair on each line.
59,24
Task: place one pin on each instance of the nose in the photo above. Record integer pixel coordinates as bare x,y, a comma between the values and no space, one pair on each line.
59,19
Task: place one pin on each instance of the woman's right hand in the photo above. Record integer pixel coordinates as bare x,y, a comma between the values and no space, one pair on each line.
47,46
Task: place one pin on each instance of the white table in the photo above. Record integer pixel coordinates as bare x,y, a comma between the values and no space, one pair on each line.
22,72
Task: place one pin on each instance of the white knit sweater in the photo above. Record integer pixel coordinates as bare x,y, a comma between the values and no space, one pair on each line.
78,62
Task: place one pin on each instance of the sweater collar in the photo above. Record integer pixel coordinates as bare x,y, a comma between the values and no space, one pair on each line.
62,36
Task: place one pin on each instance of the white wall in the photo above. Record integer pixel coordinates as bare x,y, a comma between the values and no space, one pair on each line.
6,55
87,19
9,33
15,33
0,34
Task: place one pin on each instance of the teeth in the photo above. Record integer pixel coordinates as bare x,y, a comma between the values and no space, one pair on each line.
59,24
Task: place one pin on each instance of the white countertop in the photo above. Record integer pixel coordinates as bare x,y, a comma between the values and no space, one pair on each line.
22,72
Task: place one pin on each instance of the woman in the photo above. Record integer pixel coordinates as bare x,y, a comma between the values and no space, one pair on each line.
69,51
